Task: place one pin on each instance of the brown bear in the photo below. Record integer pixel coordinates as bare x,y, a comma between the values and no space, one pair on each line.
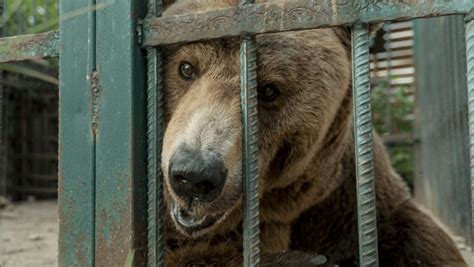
305,158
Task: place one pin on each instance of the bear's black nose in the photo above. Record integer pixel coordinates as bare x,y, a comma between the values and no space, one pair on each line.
197,174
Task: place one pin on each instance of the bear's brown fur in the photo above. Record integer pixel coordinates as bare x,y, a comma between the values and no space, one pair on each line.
306,155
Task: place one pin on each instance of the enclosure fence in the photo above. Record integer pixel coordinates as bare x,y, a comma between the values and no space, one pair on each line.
106,111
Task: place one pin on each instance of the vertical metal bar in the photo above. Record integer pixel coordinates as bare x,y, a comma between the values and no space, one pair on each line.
121,203
363,137
3,156
470,90
155,133
248,87
76,138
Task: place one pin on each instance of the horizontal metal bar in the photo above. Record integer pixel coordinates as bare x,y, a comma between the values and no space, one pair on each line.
287,16
33,46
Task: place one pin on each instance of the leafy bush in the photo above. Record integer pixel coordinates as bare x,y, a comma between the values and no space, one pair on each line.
401,117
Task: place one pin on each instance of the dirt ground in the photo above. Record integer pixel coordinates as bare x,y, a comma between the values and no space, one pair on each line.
28,234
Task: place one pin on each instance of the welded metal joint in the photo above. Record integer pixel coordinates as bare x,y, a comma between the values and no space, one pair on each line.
155,131
95,92
470,93
363,136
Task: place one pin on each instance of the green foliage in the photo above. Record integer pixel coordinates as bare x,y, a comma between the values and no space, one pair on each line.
129,260
30,16
401,115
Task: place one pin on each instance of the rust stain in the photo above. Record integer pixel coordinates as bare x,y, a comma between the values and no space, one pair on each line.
114,239
33,46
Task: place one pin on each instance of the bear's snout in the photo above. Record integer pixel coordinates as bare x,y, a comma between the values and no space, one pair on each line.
197,175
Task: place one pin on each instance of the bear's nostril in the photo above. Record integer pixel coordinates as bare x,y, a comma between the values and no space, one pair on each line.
204,187
181,179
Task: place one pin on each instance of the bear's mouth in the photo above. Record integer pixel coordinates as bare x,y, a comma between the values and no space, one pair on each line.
192,223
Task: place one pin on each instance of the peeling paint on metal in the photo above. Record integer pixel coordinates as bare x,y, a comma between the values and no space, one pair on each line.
287,16
34,46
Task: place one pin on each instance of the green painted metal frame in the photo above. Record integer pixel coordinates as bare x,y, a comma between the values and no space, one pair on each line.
102,191
120,155
76,140
102,199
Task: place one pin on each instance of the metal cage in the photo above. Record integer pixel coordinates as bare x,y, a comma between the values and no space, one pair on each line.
101,219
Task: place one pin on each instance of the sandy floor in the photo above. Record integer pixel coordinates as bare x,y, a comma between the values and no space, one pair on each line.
28,234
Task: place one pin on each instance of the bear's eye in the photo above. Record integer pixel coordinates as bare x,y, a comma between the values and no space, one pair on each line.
187,71
268,92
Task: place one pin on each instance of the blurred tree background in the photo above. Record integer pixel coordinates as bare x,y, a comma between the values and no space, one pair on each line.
30,16
402,106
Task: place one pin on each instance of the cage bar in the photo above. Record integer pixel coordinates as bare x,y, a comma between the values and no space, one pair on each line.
250,181
120,152
470,91
76,140
363,139
154,147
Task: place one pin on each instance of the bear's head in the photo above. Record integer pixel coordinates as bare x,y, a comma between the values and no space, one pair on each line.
304,106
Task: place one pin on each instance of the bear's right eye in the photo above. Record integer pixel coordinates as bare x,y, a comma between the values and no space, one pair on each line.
187,71
268,93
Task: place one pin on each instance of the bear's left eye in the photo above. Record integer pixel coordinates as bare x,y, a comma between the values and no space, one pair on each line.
268,92
187,71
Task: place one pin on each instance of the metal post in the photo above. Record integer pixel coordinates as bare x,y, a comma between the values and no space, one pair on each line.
3,155
250,180
120,113
155,133
76,138
363,137
470,90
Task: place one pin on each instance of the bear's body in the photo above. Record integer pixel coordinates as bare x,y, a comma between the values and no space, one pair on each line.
306,156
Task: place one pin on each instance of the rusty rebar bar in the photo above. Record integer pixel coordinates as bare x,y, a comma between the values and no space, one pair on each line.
363,140
155,133
250,180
